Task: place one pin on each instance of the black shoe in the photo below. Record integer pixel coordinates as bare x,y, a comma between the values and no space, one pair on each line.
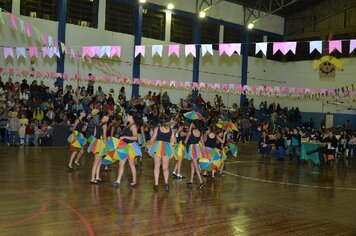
166,187
174,175
107,170
189,185
201,186
205,175
155,188
70,168
99,180
132,185
95,182
77,164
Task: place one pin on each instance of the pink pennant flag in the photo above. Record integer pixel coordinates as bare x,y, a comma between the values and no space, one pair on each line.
234,47
8,52
335,45
13,20
352,45
173,49
28,29
115,50
190,49
95,50
140,49
56,43
86,51
284,47
46,52
224,48
44,39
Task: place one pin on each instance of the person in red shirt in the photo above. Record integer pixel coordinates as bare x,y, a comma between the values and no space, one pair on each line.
199,100
30,134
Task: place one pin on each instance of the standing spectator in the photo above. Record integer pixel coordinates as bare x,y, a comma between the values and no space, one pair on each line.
24,85
90,88
30,134
122,94
34,89
199,101
348,127
165,99
294,148
245,127
22,130
99,94
14,127
263,145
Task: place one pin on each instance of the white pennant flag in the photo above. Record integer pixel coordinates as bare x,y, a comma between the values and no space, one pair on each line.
318,45
105,50
157,49
207,48
50,41
54,51
261,47
72,53
20,52
22,26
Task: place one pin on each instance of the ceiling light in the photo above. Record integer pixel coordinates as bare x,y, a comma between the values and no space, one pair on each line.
202,14
142,1
250,26
170,6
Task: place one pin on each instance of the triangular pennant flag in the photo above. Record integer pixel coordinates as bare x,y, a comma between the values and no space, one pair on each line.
1,17
55,50
284,47
115,50
224,48
33,52
46,52
8,52
13,21
140,49
234,47
190,49
63,47
50,41
56,43
86,51
20,52
173,49
335,45
261,47
157,49
207,48
44,39
315,45
72,53
352,45
22,26
28,29
105,50
290,46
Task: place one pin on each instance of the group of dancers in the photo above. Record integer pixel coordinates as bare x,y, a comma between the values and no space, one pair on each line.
171,139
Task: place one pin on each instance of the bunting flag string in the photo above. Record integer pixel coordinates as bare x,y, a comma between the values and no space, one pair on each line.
346,92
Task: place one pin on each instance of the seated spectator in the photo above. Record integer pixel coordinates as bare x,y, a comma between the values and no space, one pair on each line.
30,134
279,144
332,144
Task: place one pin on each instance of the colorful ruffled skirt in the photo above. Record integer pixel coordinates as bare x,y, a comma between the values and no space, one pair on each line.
134,150
161,148
195,151
97,146
76,141
141,141
222,154
179,151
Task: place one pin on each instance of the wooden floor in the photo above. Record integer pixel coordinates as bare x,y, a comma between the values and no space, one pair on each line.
256,197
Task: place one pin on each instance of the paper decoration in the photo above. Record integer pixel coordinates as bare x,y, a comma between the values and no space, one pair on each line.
234,47
207,48
335,45
284,47
44,39
22,26
173,49
190,49
352,45
105,50
96,51
20,52
50,41
54,51
261,47
33,52
63,48
13,21
46,52
224,48
28,29
8,52
339,64
115,50
157,49
86,51
140,49
316,45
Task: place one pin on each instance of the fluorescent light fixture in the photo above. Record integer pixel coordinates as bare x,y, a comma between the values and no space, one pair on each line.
170,6
202,14
142,1
250,26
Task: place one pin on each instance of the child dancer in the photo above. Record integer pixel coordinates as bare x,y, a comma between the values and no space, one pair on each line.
79,128
180,150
